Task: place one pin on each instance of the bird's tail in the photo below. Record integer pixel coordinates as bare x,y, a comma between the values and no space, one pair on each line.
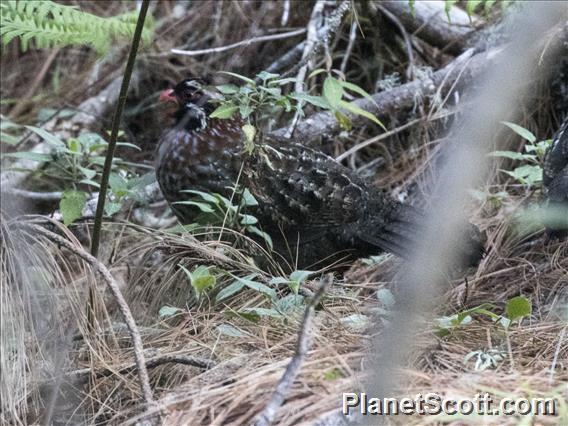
401,232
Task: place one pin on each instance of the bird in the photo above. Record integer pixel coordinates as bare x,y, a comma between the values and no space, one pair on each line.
313,207
555,179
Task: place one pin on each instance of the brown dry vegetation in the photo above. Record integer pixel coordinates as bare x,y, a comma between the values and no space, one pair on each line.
54,348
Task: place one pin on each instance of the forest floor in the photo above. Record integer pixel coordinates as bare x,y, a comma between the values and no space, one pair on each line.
221,355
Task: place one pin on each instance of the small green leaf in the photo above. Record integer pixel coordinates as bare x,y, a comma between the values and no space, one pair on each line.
200,279
230,330
266,237
289,304
224,111
228,89
517,308
316,72
233,288
28,155
247,219
240,77
282,81
354,88
245,110
254,285
279,280
250,132
48,137
205,208
512,155
521,131
263,75
261,312
300,275
314,100
354,109
355,322
332,91
112,208
248,199
168,311
71,205
210,198
344,121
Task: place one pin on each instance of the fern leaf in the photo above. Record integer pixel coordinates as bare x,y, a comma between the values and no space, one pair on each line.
48,24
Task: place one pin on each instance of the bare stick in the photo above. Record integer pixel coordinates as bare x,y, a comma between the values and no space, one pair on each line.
285,13
266,416
37,196
315,22
240,43
84,374
407,43
26,99
430,23
115,126
352,38
385,135
123,306
398,98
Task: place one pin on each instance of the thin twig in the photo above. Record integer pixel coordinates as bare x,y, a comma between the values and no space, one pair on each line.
407,42
115,127
85,374
285,13
315,22
267,415
123,306
385,135
26,99
36,196
240,43
351,43
555,358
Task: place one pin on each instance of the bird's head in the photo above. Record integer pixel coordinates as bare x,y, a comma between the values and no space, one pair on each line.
191,96
188,91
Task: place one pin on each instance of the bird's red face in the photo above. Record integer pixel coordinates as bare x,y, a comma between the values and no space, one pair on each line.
187,91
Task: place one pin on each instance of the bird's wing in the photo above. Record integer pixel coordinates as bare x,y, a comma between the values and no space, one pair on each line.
305,188
556,158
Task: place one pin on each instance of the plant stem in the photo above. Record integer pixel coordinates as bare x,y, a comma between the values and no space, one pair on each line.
115,125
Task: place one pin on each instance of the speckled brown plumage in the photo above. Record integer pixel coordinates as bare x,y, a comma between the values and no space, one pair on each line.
555,173
312,206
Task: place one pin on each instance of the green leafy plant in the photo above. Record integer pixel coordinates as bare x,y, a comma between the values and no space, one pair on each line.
333,98
201,278
75,166
485,359
294,281
217,210
529,173
49,24
516,309
258,101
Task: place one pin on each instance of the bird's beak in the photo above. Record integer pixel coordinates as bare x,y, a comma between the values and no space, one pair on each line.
168,96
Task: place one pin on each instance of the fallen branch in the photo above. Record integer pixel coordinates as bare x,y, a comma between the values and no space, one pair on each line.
240,43
431,24
267,416
467,67
85,374
123,306
316,19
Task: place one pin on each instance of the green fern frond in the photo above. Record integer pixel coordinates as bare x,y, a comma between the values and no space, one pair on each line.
50,24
